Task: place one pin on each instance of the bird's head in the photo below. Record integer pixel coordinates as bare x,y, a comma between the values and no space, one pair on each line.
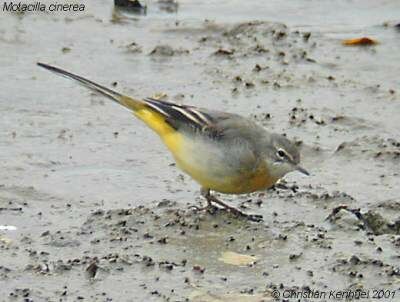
284,156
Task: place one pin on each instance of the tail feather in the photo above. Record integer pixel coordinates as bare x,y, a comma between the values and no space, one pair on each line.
123,100
154,116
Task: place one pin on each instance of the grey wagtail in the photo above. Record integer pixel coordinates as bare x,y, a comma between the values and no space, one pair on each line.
223,152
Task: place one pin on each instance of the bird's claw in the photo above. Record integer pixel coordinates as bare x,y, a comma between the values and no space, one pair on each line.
250,217
210,208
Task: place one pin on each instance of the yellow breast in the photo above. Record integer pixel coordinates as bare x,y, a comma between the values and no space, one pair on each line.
241,183
258,180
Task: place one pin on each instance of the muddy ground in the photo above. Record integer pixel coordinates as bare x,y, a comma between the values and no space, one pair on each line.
92,207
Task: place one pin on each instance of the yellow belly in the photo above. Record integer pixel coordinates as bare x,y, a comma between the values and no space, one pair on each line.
247,182
235,184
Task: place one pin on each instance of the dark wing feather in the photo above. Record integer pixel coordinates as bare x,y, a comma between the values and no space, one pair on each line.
187,117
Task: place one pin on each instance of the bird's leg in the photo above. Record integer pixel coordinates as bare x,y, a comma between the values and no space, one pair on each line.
209,207
212,199
206,193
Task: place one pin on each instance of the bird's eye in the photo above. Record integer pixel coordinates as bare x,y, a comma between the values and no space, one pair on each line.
281,153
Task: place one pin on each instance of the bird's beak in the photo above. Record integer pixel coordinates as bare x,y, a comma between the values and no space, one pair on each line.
302,170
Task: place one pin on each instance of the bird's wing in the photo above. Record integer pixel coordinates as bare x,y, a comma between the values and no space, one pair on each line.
215,124
183,117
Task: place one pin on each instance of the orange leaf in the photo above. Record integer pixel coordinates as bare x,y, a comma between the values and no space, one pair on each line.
360,41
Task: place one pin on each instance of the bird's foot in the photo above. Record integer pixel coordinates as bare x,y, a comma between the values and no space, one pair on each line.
210,208
237,212
252,217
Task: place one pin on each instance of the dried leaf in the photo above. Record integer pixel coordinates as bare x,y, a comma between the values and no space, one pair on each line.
364,41
237,259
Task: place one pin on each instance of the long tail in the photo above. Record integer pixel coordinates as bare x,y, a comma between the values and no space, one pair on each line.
128,102
149,111
160,115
